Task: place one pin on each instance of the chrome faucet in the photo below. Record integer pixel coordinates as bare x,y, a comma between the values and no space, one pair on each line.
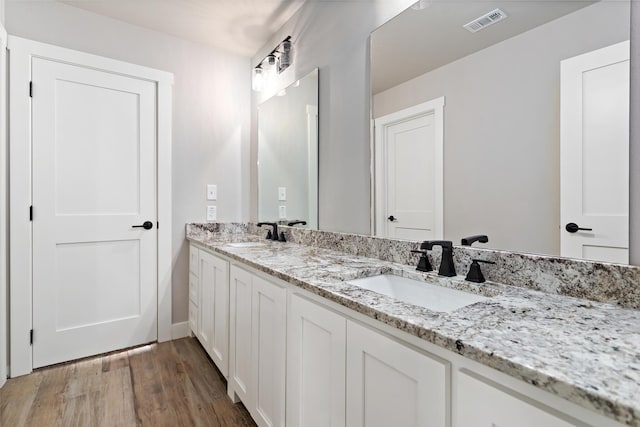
446,263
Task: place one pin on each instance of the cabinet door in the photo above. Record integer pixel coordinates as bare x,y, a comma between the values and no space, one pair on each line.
316,351
479,404
268,352
220,338
213,283
240,336
389,384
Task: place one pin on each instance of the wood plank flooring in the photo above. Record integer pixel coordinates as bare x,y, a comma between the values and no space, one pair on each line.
168,384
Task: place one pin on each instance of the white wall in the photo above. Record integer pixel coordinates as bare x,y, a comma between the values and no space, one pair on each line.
334,36
211,104
502,128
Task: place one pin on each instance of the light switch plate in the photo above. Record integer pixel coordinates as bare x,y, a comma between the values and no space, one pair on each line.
282,194
212,192
283,212
212,213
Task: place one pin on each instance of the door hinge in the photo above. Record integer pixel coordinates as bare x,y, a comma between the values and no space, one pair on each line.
30,89
31,213
158,224
31,336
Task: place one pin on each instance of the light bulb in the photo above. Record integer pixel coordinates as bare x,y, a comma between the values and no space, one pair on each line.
258,79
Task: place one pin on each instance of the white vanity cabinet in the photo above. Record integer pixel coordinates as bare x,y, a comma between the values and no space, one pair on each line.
316,351
391,384
209,304
258,346
213,308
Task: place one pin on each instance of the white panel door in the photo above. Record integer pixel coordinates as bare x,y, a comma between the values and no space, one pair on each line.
213,309
94,156
389,384
268,331
595,155
240,336
316,351
409,173
479,404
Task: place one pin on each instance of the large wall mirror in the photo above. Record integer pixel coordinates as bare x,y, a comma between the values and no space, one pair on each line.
288,154
505,118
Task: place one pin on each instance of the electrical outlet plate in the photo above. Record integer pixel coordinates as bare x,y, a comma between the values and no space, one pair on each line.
282,194
212,213
212,192
283,212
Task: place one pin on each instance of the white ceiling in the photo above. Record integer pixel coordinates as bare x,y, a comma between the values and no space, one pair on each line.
238,26
418,41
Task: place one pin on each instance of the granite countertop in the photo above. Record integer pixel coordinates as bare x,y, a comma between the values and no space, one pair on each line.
584,351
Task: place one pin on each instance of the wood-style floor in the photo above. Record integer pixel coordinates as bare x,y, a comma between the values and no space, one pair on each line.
168,384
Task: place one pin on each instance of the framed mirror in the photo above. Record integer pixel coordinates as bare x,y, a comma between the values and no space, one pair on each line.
504,118
288,154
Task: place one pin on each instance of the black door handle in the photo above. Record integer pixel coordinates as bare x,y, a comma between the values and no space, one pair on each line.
147,225
572,227
392,218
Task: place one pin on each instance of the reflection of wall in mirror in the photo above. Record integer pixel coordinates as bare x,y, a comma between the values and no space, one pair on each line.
283,152
502,128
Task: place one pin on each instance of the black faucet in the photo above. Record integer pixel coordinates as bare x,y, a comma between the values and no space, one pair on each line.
468,241
292,223
446,263
271,235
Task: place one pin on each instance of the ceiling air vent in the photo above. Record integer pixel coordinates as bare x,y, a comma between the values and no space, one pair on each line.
485,20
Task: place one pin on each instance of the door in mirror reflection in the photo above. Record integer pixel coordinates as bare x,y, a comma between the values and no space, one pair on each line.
288,154
594,147
408,187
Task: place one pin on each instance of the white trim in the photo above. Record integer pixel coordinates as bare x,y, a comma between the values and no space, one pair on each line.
3,206
378,207
180,330
20,308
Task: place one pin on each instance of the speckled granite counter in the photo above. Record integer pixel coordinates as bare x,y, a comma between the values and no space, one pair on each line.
586,352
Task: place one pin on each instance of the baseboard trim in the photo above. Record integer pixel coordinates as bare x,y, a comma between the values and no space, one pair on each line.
180,330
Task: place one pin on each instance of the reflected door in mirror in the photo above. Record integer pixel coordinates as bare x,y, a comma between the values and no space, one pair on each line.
409,172
595,155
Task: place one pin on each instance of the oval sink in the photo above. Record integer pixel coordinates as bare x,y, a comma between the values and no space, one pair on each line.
423,294
245,244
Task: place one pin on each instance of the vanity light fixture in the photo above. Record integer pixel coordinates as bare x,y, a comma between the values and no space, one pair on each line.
258,79
278,60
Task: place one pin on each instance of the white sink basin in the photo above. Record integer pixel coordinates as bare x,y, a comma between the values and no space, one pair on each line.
245,244
432,297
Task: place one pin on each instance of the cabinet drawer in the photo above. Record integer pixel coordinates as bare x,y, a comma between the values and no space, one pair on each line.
193,288
193,259
480,403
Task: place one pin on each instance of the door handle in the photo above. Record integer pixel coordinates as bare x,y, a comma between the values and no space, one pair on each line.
147,225
392,218
572,227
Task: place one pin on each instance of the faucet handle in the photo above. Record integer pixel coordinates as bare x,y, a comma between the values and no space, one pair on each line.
475,273
423,263
468,241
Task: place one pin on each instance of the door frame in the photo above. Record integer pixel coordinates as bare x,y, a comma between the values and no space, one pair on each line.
21,52
435,107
